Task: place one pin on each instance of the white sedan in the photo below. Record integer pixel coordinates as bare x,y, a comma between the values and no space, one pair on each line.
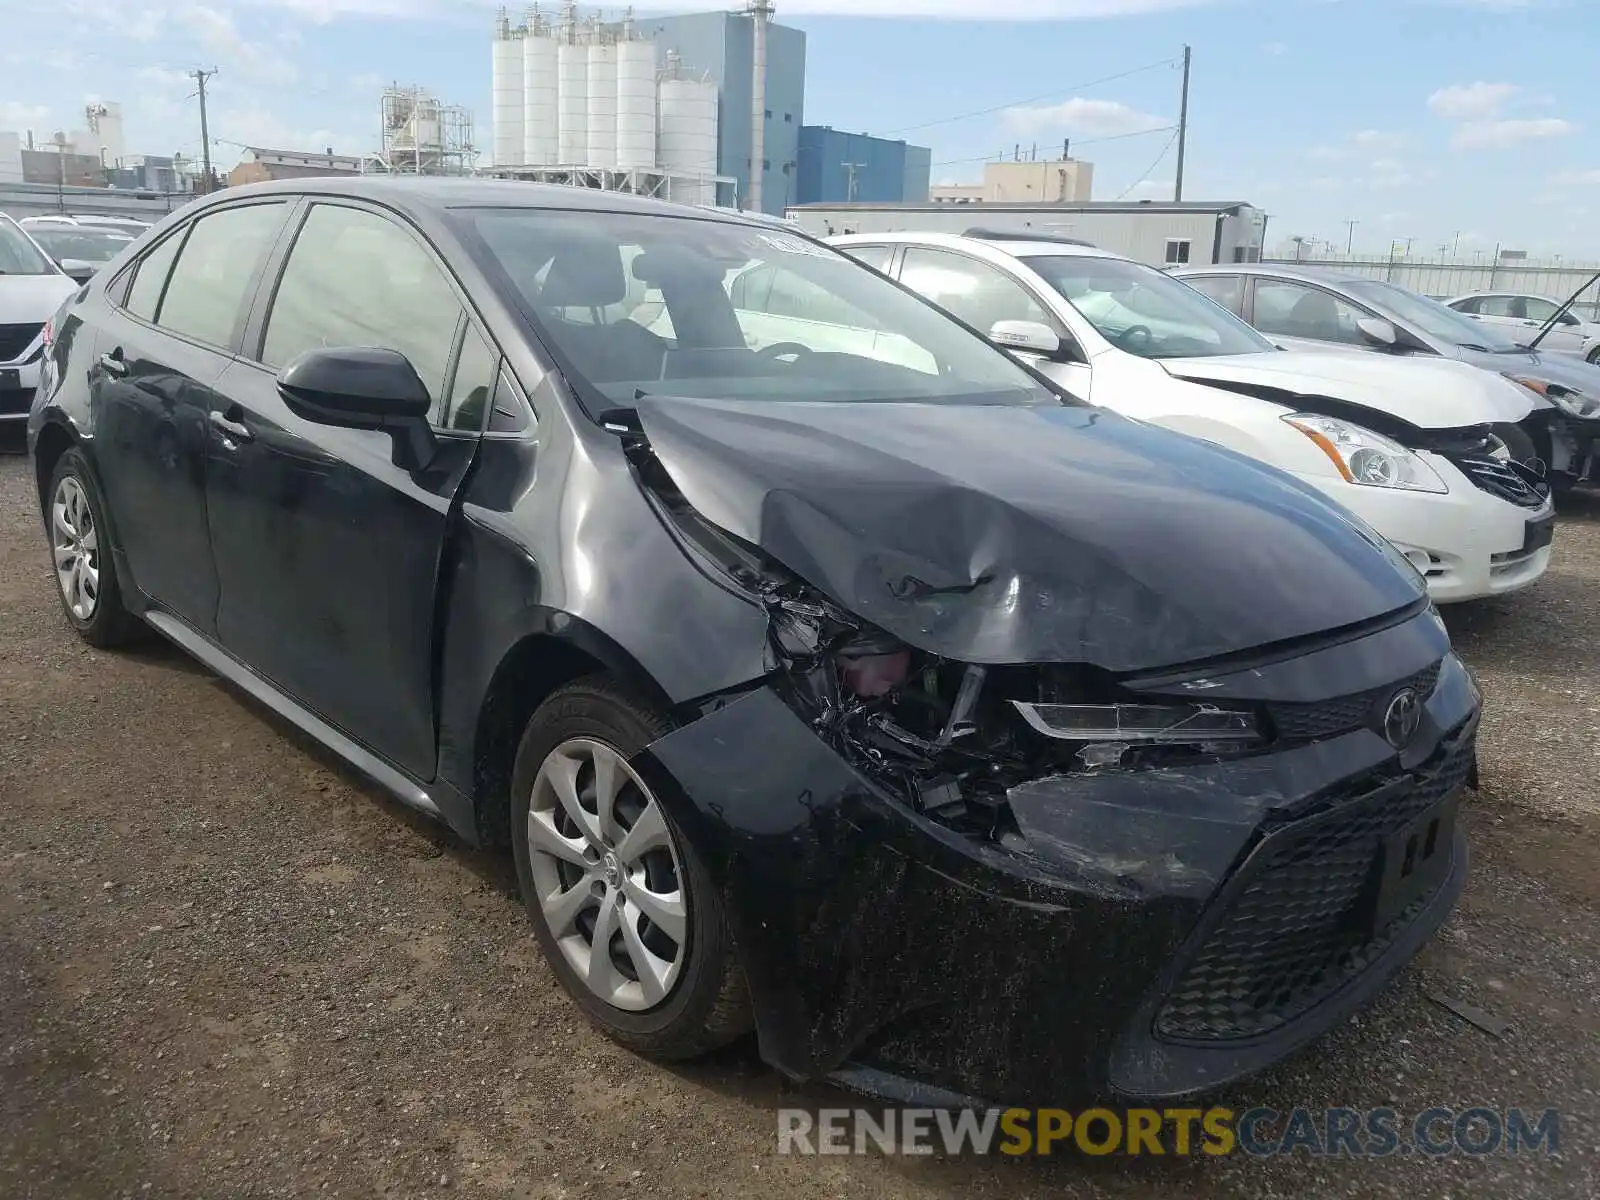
1523,316
1407,445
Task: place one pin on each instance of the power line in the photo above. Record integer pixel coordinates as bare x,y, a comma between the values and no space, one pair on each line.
999,156
1078,87
1151,168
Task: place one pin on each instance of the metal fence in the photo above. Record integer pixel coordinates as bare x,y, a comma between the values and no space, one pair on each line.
42,199
1444,279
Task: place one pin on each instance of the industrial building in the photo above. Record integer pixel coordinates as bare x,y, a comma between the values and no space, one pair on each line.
1162,233
855,168
1063,180
703,108
258,165
81,157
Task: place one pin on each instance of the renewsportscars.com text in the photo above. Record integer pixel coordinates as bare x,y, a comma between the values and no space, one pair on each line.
1260,1132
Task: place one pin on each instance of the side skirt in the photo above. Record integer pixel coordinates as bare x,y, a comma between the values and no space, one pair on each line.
235,672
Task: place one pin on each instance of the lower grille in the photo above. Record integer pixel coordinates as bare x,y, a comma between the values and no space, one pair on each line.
14,339
1300,927
1325,718
1509,481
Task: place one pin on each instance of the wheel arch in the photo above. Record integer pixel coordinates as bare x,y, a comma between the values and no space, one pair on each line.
557,650
54,439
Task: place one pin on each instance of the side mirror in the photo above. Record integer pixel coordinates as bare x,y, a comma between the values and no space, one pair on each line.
1379,332
78,269
1030,336
361,387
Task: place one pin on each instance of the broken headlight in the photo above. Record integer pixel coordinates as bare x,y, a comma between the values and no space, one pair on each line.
1109,731
1568,400
1367,458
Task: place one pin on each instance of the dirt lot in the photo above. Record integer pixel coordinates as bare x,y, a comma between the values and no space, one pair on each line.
229,968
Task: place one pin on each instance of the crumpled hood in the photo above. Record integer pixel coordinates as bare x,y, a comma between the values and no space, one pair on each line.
1430,393
32,299
1028,535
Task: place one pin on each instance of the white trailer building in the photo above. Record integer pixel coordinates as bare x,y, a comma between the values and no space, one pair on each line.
1161,233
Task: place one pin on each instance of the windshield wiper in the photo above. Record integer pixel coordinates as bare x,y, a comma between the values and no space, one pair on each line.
1557,315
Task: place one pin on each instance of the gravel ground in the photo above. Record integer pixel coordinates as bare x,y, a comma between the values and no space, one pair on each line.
230,968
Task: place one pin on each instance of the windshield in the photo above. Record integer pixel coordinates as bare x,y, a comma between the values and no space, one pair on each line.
650,304
1433,318
1138,309
19,256
90,245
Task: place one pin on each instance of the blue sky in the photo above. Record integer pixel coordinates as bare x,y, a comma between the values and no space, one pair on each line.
1468,123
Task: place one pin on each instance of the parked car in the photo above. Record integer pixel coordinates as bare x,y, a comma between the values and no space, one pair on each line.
31,288
1406,445
1523,317
962,738
129,225
1319,308
80,250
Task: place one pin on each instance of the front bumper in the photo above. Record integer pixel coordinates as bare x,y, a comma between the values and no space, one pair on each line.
1467,543
15,401
1098,950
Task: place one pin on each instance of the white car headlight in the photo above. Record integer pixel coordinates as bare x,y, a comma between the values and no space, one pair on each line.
1368,458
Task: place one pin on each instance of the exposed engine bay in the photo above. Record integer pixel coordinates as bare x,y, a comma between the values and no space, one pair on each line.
947,737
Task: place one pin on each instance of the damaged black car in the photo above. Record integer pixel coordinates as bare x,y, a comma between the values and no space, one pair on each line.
830,674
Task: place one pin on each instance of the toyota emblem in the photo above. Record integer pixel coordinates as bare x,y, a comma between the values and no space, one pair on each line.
1401,718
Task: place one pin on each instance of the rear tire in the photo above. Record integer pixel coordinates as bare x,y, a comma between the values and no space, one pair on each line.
84,567
671,989
1594,356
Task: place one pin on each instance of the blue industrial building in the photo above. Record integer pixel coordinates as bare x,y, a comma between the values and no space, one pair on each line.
853,168
722,45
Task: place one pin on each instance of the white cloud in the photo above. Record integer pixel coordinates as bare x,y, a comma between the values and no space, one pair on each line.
1472,101
1096,118
1379,140
14,115
218,33
1275,49
1503,135
1576,178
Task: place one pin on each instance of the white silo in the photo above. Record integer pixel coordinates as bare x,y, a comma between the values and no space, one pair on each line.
688,140
505,89
636,105
541,93
602,120
572,120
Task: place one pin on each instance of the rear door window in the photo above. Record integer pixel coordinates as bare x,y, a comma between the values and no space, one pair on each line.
1226,290
151,277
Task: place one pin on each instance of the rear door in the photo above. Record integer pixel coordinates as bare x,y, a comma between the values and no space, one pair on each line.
328,554
159,355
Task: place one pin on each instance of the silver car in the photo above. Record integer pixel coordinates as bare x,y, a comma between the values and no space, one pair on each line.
1305,307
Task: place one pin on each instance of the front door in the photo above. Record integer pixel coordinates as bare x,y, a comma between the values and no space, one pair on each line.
328,553
152,383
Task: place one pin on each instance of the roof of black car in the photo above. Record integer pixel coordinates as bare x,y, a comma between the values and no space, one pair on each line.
444,192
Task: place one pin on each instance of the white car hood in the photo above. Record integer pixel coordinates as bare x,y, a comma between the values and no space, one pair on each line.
1430,393
32,299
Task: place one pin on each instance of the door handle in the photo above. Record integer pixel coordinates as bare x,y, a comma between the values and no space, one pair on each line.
232,432
112,363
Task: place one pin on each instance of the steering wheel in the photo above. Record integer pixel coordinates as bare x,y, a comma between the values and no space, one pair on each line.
1136,338
779,349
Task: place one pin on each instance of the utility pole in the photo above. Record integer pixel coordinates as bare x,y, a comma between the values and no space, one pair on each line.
1183,126
1350,237
200,78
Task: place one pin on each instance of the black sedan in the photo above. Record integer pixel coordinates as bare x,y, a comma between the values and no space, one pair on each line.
827,671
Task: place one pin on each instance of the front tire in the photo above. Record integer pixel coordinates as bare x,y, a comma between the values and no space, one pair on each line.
624,910
80,549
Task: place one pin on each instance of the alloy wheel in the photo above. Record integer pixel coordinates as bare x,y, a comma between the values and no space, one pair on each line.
607,874
76,542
